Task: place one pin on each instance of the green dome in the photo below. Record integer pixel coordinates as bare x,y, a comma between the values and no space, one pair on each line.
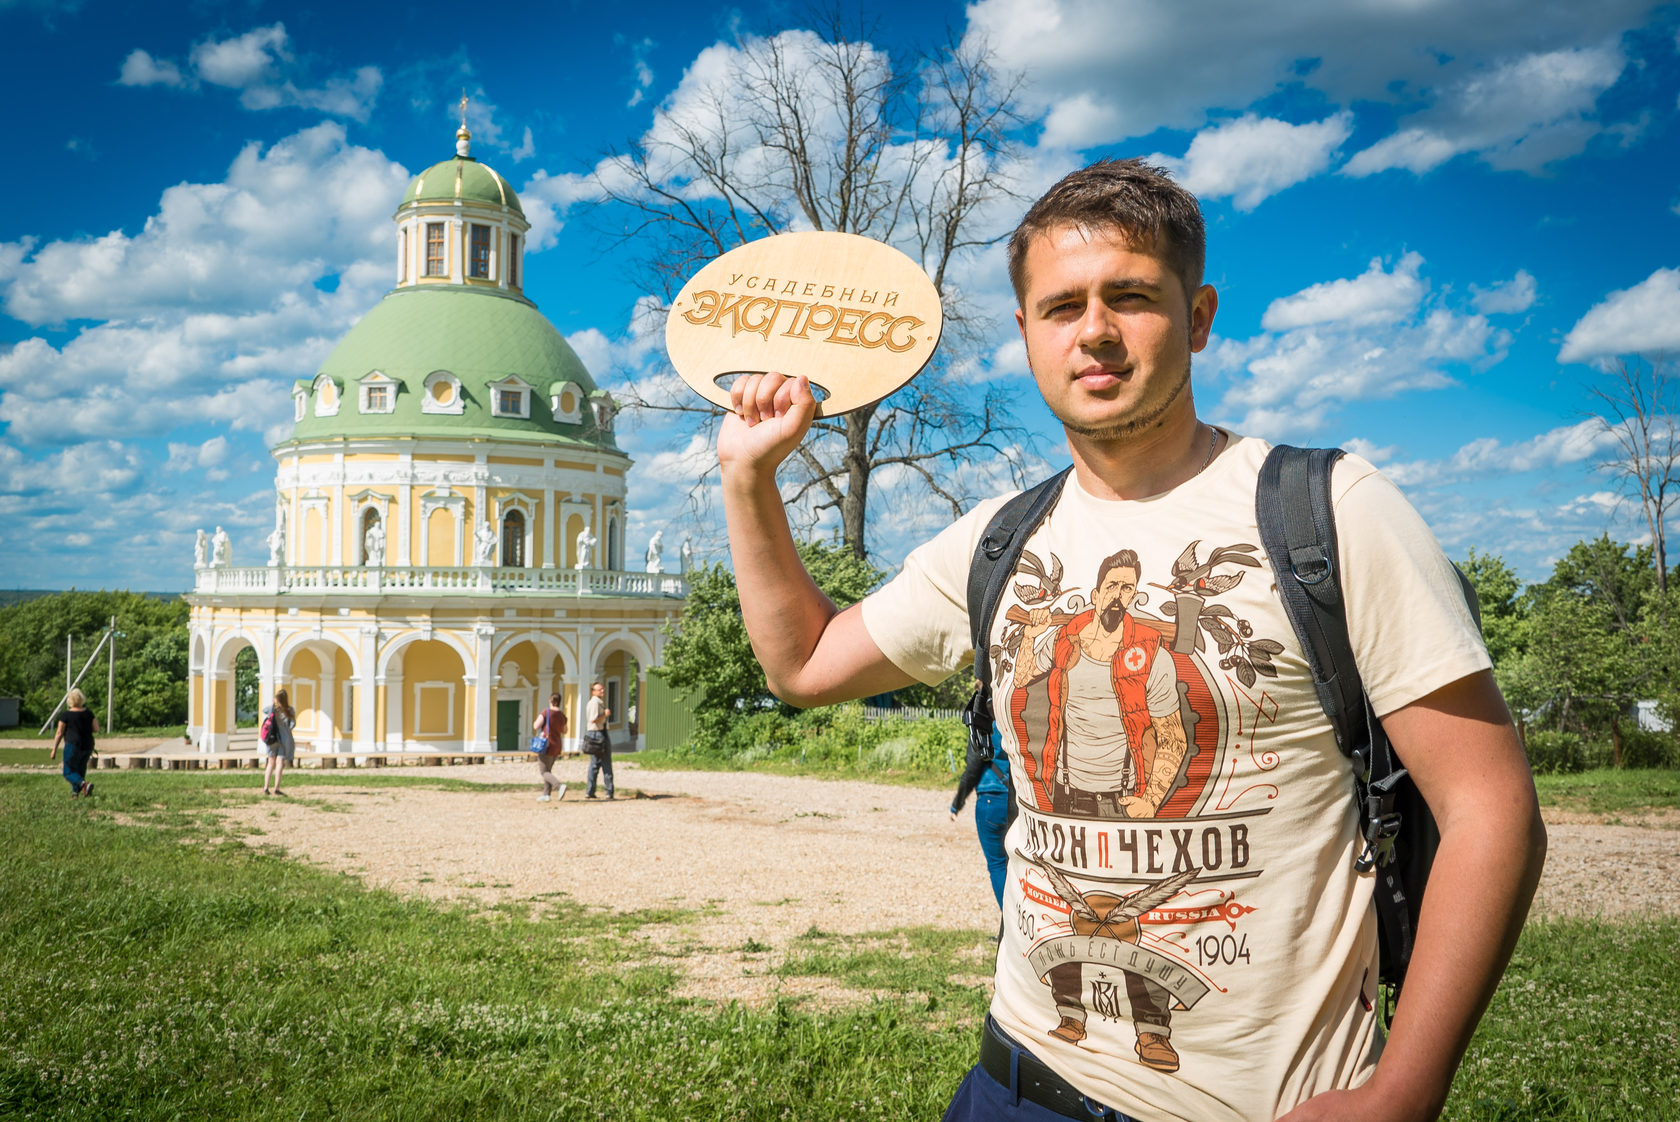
480,336
462,178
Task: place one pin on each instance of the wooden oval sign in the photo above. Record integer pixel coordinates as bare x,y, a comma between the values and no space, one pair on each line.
854,315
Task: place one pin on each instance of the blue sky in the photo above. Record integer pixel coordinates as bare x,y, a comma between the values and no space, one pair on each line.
1430,223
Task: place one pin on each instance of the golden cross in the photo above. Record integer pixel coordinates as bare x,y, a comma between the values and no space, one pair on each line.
463,108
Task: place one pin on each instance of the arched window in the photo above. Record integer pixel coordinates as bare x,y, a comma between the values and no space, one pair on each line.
614,562
513,538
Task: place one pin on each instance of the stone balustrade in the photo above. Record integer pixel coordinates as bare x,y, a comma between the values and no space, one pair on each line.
465,580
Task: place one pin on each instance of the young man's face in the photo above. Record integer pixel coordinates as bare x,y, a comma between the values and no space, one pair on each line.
1109,331
597,690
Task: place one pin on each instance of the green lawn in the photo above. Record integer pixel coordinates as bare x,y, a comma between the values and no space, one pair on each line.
156,969
1608,791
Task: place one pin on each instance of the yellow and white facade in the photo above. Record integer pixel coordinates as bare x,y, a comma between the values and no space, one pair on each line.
449,544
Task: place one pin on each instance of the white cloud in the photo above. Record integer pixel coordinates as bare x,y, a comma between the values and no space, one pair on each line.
96,467
216,298
1370,337
642,73
1563,446
1104,71
526,148
1252,158
244,60
1641,319
1506,297
1375,296
260,65
141,69
307,206
1524,114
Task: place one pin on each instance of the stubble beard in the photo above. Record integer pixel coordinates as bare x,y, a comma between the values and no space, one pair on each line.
1132,426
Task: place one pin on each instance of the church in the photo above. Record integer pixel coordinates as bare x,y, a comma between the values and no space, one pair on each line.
449,521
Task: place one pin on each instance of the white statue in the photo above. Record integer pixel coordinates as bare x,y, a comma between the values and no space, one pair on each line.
201,550
585,547
221,548
373,545
656,550
277,537
687,554
484,545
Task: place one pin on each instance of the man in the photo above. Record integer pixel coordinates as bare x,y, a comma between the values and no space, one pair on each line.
595,740
1240,896
1100,663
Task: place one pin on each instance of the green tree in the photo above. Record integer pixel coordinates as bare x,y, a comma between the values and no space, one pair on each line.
709,659
1503,608
1585,638
151,659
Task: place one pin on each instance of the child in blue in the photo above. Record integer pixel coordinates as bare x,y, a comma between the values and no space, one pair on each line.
993,807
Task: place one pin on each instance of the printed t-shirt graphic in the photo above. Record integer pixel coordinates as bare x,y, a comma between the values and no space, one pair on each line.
1186,936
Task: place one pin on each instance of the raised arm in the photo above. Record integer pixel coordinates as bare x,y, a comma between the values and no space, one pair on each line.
1461,748
812,653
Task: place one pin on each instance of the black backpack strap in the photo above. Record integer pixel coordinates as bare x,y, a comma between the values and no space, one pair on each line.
1298,532
994,559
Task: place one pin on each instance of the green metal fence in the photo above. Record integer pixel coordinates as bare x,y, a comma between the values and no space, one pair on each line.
665,717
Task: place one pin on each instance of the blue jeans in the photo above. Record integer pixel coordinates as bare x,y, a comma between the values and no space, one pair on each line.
980,1098
598,765
75,767
991,820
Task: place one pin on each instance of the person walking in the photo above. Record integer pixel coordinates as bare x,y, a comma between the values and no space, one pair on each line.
550,727
596,742
279,720
76,727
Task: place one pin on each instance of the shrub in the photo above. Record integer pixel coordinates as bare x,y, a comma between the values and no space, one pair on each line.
1641,748
1555,753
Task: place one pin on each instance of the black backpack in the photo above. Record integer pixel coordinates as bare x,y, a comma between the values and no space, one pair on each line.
1298,532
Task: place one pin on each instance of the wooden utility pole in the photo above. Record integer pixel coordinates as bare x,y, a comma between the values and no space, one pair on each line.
111,676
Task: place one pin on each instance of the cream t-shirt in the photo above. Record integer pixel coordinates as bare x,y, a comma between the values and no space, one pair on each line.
1212,899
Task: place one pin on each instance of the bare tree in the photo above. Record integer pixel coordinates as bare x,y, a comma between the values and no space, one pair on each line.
1639,401
825,131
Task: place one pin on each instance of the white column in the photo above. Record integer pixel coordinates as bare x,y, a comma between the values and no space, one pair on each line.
326,707
366,695
457,251
405,510
483,678
337,512
393,684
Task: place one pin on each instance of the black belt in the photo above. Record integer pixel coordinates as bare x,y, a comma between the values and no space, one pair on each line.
1028,1078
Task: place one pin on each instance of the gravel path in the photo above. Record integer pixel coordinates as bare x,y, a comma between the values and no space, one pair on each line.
759,859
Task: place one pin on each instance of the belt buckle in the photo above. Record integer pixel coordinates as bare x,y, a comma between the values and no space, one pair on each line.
1098,1110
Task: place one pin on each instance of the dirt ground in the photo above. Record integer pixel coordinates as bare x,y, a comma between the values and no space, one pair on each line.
735,851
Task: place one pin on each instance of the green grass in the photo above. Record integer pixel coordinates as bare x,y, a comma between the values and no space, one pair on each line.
161,970
159,732
1609,791
928,778
150,979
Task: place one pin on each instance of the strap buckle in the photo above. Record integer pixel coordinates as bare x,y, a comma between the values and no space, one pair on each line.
1309,564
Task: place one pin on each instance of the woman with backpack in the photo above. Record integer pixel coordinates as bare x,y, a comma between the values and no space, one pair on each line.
278,721
550,727
75,731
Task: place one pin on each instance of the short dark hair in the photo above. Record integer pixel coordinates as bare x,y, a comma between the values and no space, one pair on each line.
1136,199
1125,559
554,700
